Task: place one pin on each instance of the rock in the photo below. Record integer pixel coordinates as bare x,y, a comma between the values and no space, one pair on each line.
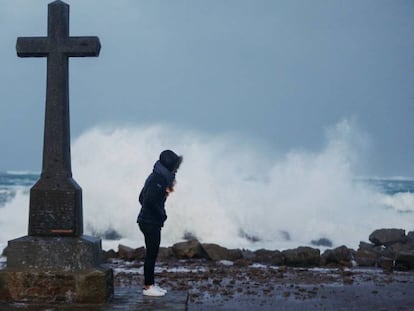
400,247
242,262
366,258
410,236
369,255
405,260
387,237
109,254
265,256
380,250
130,254
216,252
366,246
248,255
302,257
386,263
165,253
341,255
140,253
188,249
4,252
125,252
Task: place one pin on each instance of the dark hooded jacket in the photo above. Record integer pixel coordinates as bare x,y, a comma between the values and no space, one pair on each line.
154,193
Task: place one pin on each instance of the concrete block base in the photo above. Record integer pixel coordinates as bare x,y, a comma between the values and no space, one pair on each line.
51,287
51,270
54,253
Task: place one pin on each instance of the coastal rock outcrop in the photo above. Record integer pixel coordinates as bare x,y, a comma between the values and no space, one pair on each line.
341,255
389,249
367,256
216,252
274,258
165,253
188,249
405,260
302,257
130,254
387,237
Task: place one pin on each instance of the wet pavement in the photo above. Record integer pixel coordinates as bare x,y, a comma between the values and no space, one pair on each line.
199,285
127,298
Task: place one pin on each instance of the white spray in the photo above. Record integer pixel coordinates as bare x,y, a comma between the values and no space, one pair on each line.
227,193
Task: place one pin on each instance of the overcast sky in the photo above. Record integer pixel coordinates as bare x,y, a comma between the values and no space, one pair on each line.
278,72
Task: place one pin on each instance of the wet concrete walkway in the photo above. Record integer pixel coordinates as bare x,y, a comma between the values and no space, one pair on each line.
126,299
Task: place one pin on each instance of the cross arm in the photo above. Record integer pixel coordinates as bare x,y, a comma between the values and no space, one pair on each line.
32,46
83,46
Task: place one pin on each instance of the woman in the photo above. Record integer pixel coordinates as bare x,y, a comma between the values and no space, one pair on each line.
159,184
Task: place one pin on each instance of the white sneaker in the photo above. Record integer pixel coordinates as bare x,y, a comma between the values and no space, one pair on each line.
160,289
153,291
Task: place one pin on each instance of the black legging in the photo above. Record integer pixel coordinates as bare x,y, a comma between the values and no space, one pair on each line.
152,234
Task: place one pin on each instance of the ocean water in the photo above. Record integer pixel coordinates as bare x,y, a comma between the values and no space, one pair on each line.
229,191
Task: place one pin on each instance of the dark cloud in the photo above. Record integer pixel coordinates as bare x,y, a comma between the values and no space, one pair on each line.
282,71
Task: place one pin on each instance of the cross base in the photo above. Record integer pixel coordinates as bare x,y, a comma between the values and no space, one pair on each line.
54,253
56,270
56,207
93,286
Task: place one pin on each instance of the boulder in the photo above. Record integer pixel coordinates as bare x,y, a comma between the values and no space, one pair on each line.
248,254
380,250
165,253
242,262
140,253
400,247
366,258
130,254
387,237
4,252
274,258
188,249
216,252
366,246
410,236
405,260
109,255
341,255
302,257
126,252
386,263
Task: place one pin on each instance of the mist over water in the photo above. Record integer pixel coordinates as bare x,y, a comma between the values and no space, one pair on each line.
228,192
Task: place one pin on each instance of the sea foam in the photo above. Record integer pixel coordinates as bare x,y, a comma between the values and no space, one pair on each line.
228,192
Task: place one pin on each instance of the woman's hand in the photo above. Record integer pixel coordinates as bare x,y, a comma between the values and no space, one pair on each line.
169,190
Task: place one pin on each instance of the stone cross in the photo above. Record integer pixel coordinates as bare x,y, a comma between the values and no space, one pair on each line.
56,199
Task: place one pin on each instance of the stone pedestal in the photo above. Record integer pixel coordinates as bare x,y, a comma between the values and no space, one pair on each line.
56,270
